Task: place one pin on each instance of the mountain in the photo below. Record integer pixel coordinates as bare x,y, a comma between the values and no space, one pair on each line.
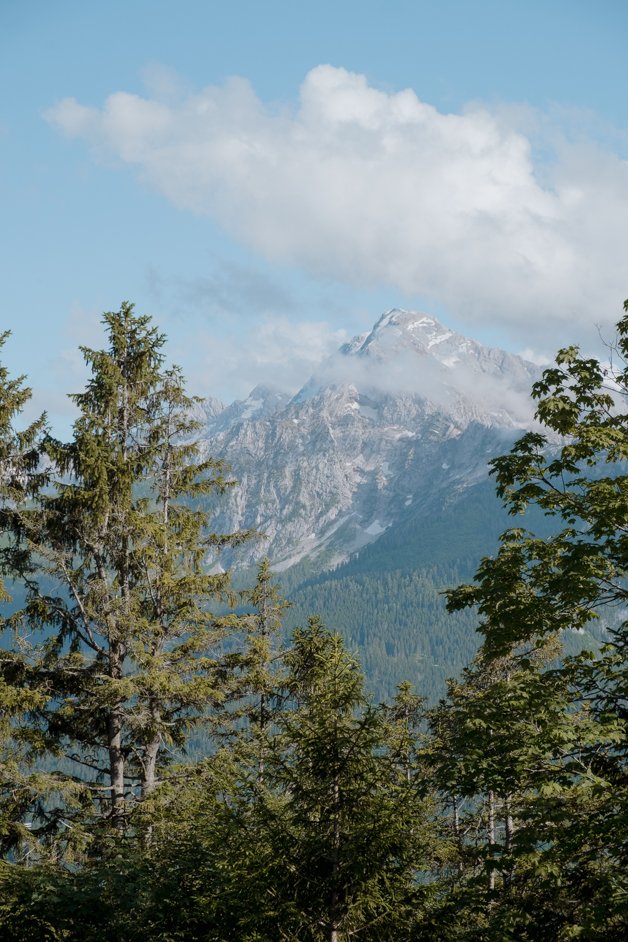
370,491
400,419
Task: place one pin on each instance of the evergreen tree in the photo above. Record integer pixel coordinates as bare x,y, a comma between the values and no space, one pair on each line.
20,474
340,767
332,842
22,789
117,579
262,661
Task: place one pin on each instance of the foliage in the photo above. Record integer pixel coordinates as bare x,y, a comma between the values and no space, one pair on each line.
345,771
116,578
499,814
23,789
565,767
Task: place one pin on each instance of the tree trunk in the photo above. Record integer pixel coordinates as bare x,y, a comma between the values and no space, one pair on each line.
335,919
509,829
114,739
457,835
149,772
116,765
491,839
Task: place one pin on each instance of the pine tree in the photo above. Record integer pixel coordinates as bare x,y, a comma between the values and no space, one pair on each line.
332,842
130,650
20,474
22,789
262,663
351,824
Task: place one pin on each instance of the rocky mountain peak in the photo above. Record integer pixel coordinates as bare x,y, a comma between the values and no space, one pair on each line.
400,417
397,327
399,332
408,328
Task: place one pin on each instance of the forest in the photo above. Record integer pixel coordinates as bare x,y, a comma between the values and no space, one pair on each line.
311,812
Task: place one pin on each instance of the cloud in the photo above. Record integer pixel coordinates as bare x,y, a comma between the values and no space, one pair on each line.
234,290
259,333
451,387
375,188
276,351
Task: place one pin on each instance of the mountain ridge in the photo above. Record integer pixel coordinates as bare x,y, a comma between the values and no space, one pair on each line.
402,415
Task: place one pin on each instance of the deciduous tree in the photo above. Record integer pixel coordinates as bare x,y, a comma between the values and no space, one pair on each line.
534,589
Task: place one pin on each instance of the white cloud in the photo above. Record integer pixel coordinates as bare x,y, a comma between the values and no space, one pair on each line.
277,352
444,386
376,188
533,356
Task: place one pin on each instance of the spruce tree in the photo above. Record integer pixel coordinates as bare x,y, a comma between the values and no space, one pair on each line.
263,662
130,649
22,692
351,823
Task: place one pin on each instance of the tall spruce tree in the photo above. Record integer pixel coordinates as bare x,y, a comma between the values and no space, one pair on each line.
20,474
116,579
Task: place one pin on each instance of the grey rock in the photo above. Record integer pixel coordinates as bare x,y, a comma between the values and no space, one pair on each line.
409,413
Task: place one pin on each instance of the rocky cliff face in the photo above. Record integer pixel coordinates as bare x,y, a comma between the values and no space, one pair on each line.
409,413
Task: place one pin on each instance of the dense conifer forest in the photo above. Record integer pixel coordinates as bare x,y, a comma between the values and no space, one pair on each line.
497,812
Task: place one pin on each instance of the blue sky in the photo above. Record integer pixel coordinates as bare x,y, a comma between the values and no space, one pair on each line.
267,178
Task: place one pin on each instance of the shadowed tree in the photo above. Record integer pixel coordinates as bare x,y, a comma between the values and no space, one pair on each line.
575,835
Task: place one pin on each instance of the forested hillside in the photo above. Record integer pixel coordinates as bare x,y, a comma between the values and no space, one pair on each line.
317,812
389,604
